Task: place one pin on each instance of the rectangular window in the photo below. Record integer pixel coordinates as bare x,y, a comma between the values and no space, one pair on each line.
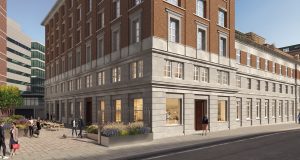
200,8
88,81
249,108
280,88
173,111
140,68
293,110
118,111
89,5
133,70
273,108
286,89
116,9
274,87
138,110
223,77
238,82
88,28
238,108
280,108
223,46
174,2
100,47
266,108
168,68
286,108
78,83
292,90
70,60
178,70
280,70
100,20
266,86
101,78
135,31
88,54
102,111
222,110
78,58
249,83
201,39
238,56
136,2
222,18
258,85
258,108
116,74
115,40
266,65
273,67
248,59
257,63
174,30
201,74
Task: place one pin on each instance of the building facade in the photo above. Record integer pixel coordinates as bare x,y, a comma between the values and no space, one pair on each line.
292,50
3,34
164,62
18,56
33,105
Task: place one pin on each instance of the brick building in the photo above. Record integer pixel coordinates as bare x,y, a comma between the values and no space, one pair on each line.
164,62
3,32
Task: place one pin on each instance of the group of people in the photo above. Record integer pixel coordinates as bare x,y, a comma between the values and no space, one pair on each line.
13,141
34,127
77,124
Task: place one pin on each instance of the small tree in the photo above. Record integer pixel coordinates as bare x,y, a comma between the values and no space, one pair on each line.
10,97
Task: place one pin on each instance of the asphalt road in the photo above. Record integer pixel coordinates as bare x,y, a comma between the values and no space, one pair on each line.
276,146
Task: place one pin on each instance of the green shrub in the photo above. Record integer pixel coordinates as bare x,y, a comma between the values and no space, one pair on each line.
92,129
119,129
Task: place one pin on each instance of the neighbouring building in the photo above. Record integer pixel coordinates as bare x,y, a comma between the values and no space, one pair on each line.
293,50
18,56
164,62
33,105
3,24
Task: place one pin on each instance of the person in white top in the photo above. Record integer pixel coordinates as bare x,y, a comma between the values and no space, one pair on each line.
31,127
74,127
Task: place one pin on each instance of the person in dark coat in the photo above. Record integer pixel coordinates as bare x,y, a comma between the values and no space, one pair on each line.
205,124
299,118
80,126
2,141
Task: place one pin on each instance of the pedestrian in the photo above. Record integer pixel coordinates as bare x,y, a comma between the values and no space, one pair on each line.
74,127
47,116
299,118
38,126
13,142
2,141
30,127
80,126
204,124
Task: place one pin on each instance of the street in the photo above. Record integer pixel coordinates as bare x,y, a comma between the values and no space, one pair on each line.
276,146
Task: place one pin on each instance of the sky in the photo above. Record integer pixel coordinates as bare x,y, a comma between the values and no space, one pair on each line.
30,14
276,20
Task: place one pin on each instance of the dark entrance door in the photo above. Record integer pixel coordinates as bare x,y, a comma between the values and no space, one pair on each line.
57,112
88,111
200,111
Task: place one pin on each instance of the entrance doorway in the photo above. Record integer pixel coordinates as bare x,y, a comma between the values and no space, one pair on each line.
88,111
200,111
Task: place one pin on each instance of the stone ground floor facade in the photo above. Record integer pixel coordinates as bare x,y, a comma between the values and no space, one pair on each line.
175,112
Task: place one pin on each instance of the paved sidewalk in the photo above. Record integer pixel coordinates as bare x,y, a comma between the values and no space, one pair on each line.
51,146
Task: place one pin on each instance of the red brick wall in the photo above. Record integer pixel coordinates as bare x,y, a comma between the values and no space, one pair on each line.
3,24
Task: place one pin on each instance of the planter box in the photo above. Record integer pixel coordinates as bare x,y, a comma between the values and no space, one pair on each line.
92,136
125,140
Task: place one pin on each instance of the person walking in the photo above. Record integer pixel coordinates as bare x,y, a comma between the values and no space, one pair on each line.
299,118
2,141
205,124
74,127
13,142
30,127
80,126
38,126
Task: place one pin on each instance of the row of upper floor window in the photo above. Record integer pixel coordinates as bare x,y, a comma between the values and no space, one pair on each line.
18,53
18,43
260,63
18,72
257,85
115,10
18,63
38,46
39,55
136,70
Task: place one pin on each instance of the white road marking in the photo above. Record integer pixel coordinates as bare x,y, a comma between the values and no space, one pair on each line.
212,146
